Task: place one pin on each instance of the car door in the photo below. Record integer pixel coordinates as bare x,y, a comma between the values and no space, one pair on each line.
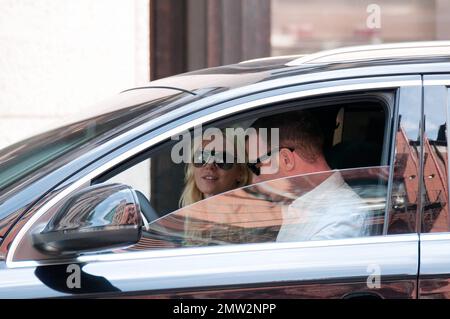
435,239
384,264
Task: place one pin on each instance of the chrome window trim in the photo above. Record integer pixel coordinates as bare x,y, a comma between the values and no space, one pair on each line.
434,236
436,82
240,248
370,84
434,261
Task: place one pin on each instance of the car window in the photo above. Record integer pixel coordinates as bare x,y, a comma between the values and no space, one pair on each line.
361,144
213,202
356,148
405,179
22,161
337,204
435,178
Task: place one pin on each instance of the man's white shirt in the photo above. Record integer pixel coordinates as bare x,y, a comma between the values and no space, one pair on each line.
332,210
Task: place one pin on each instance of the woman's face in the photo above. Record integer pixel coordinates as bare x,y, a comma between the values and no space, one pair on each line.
212,180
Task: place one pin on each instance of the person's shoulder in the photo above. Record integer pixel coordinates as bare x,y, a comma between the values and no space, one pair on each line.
344,191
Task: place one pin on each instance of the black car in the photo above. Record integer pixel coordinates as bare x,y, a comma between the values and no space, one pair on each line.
93,209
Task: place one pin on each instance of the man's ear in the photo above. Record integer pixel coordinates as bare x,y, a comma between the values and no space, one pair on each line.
287,159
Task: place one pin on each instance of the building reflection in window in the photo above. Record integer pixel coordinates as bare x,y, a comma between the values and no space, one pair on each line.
404,200
435,197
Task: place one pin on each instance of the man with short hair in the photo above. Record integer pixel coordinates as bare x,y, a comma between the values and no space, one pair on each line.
326,207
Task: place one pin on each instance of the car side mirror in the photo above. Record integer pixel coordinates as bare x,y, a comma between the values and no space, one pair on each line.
96,218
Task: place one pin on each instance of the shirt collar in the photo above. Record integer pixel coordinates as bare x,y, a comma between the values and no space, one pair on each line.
335,180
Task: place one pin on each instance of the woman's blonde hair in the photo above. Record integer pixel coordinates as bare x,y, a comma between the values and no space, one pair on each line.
191,194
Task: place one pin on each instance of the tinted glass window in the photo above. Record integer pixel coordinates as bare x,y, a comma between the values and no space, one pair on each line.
348,200
404,200
337,190
20,160
342,204
435,177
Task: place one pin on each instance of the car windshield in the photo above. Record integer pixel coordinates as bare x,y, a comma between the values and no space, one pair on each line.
128,109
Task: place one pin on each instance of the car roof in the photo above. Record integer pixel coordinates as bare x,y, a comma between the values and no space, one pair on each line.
390,51
264,69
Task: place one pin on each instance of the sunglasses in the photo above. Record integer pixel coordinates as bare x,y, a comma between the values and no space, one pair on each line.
201,158
256,167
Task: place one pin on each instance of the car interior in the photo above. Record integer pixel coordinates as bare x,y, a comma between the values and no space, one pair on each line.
355,129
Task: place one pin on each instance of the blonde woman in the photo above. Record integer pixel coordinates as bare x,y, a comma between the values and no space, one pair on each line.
211,172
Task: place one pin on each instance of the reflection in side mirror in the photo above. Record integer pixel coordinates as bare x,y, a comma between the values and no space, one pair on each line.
96,218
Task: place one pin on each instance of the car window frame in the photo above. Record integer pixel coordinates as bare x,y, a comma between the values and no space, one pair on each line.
266,111
380,98
235,106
